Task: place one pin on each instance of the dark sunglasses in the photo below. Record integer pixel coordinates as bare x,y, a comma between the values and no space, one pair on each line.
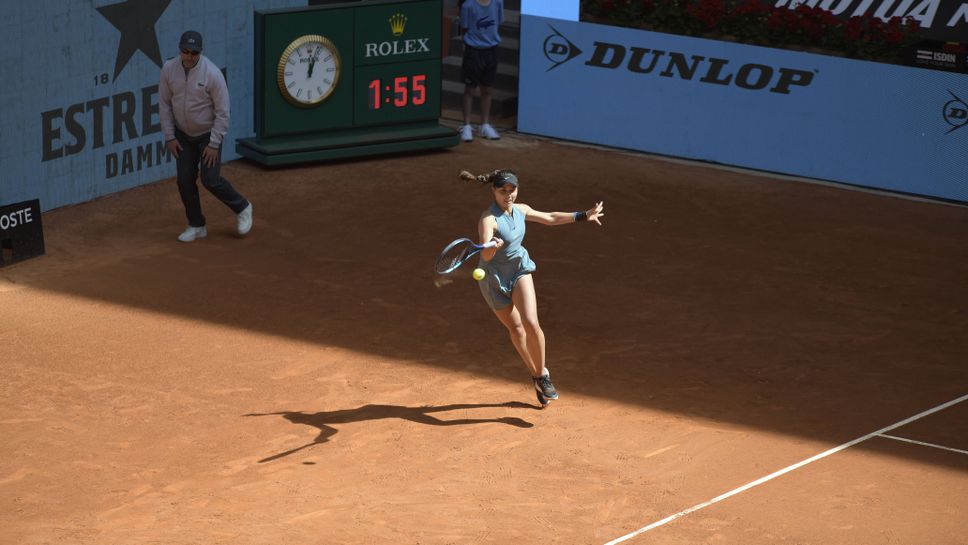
187,52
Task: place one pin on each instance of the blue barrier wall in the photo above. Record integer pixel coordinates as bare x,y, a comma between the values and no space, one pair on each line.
869,124
556,9
78,96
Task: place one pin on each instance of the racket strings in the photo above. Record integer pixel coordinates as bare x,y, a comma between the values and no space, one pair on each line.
454,257
464,254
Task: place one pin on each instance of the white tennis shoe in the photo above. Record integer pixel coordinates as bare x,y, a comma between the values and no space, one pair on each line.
487,131
191,233
244,221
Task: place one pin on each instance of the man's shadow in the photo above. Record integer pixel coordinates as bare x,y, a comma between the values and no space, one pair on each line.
419,415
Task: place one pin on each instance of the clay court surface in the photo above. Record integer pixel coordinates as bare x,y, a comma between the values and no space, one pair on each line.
316,383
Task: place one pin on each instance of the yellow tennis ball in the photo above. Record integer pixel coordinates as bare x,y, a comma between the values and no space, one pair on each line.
478,274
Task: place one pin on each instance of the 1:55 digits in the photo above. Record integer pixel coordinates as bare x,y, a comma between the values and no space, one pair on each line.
406,91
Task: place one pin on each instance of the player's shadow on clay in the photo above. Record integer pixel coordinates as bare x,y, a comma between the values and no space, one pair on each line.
419,415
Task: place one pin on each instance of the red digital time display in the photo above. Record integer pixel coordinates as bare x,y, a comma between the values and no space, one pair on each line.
403,91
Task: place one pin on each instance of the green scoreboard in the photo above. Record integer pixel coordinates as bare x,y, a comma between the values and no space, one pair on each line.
346,80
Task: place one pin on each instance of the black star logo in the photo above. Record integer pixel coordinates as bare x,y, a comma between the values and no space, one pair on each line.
136,20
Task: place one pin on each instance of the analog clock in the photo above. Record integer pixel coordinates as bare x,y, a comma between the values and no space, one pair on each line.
308,70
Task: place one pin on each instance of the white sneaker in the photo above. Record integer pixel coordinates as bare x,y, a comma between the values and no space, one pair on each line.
466,133
244,223
487,131
191,233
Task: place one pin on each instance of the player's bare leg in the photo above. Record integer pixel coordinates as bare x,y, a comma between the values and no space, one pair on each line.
511,319
526,303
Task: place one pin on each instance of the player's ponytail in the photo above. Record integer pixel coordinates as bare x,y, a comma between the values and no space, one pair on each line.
468,177
497,178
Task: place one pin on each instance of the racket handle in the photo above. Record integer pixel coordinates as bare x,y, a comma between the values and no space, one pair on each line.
489,244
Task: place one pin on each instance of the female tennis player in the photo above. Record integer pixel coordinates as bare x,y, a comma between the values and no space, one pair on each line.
507,285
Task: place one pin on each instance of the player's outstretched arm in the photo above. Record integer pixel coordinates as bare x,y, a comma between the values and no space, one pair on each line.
561,218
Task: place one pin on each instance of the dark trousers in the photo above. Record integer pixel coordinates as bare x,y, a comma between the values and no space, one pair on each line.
189,160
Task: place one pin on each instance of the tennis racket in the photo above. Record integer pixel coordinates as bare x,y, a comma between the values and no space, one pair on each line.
457,253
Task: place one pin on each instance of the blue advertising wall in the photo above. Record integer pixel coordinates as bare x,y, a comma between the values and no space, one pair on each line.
863,123
78,96
556,9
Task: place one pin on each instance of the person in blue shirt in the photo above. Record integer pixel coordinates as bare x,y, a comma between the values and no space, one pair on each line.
479,22
507,285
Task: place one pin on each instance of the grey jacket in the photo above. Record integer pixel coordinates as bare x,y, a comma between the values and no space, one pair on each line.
196,103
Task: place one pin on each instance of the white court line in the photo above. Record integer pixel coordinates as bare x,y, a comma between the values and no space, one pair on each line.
906,440
785,470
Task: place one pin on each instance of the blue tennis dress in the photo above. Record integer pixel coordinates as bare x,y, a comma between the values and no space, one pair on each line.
509,263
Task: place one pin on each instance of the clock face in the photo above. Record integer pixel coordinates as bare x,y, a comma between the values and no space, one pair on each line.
308,70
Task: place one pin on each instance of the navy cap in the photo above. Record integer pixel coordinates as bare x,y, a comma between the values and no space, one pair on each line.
504,177
191,41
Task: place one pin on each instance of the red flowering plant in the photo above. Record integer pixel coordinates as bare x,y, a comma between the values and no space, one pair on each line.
746,21
803,26
708,13
617,10
672,16
756,22
870,37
